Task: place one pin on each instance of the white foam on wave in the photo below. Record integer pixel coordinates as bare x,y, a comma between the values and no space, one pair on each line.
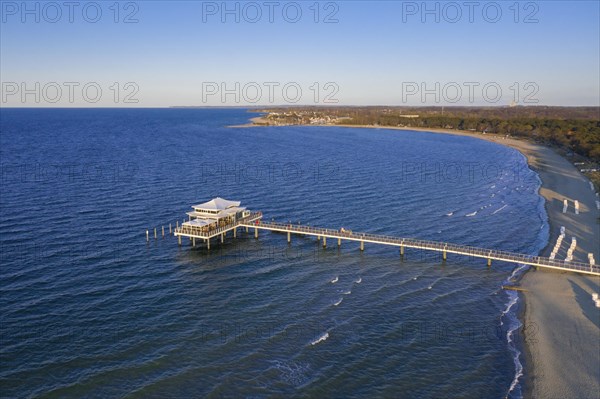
347,292
516,324
471,214
291,372
450,214
338,302
509,339
498,210
359,280
335,280
322,338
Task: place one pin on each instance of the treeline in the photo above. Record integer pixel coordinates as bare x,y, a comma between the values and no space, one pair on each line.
574,129
538,112
581,136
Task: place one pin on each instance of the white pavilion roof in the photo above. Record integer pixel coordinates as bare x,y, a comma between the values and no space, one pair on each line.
217,204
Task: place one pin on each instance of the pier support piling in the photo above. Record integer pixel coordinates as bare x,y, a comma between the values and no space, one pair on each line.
193,241
235,233
289,237
324,242
362,245
147,236
155,236
179,240
208,243
170,229
489,262
444,255
255,232
246,229
163,231
222,237
402,250
339,242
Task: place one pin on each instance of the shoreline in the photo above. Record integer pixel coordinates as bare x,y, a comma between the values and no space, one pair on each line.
561,326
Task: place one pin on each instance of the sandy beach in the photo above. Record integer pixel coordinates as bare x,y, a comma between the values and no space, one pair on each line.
561,322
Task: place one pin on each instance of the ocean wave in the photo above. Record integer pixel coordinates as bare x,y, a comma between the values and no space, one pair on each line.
338,302
359,280
498,210
471,214
514,325
292,373
335,280
322,338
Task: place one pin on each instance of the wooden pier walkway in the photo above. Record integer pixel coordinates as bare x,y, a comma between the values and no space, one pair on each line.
253,221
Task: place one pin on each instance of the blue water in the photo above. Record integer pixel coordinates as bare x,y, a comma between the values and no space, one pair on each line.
88,308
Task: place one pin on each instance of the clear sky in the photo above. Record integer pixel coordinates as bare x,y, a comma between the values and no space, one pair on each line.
161,53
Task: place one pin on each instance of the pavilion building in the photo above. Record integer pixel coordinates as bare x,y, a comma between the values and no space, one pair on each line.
214,214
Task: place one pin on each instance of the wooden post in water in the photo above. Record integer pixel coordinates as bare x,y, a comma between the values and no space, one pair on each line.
170,229
208,243
289,237
155,236
222,237
362,245
246,229
256,232
339,242
179,240
324,242
147,236
444,255
193,241
401,250
489,262
235,232
163,231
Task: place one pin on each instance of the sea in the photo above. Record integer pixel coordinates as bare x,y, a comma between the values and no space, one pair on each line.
90,308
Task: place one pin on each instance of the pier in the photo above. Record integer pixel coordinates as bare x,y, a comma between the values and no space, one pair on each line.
204,231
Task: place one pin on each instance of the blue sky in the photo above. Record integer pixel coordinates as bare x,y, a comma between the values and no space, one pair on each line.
368,53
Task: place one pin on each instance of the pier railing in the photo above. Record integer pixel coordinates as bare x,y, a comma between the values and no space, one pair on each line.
254,221
466,250
193,231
